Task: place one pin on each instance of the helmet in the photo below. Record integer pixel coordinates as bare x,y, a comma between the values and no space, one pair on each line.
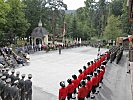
84,67
74,76
69,81
83,83
3,77
88,77
7,69
88,63
80,71
62,84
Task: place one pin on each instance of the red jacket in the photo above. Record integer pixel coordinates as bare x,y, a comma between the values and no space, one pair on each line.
85,73
89,69
76,83
81,76
63,93
89,85
70,88
82,93
94,81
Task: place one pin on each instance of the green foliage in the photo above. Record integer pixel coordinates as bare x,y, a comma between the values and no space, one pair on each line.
113,29
17,24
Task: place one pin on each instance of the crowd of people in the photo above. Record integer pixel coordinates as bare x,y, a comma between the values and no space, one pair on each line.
87,83
12,87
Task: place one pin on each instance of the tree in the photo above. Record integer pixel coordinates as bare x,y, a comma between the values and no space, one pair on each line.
113,28
17,24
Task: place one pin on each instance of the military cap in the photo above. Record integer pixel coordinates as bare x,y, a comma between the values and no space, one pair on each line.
13,71
7,69
84,67
16,82
23,75
3,77
17,73
8,80
80,70
30,75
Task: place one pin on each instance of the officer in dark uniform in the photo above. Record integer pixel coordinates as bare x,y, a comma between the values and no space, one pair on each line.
12,76
2,86
21,86
6,73
7,90
15,91
28,88
59,49
17,76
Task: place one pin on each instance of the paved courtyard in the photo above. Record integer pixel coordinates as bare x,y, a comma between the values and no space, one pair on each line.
48,69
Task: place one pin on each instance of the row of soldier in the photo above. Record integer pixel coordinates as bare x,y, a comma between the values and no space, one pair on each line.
12,87
87,82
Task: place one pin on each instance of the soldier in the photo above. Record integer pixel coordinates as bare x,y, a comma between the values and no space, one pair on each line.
17,76
59,49
81,75
94,85
63,91
6,73
82,93
7,90
89,85
12,76
70,89
28,88
85,71
2,86
76,83
15,91
21,86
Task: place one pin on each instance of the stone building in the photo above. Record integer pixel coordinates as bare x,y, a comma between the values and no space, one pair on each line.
39,35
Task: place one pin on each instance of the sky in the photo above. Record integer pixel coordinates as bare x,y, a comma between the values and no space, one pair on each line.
74,4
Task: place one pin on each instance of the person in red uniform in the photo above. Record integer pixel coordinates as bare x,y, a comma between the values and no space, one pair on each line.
94,84
63,91
89,85
85,72
76,83
70,89
81,75
89,69
82,93
93,67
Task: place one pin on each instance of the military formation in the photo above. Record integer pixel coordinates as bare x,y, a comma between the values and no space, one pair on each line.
116,52
12,87
88,83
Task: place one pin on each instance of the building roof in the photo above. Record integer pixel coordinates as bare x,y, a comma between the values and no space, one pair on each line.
39,32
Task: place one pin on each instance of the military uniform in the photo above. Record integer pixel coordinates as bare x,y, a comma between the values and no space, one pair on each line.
28,88
21,86
15,92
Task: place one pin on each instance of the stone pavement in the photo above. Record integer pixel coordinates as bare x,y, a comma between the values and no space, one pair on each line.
131,67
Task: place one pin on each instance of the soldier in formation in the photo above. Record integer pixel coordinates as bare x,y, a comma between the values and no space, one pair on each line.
88,83
12,87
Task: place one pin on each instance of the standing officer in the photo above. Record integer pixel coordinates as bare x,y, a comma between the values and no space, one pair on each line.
28,88
7,90
6,73
63,91
59,49
2,86
21,86
82,93
12,76
17,76
15,91
70,89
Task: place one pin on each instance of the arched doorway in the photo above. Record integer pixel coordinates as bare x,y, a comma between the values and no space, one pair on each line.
38,41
